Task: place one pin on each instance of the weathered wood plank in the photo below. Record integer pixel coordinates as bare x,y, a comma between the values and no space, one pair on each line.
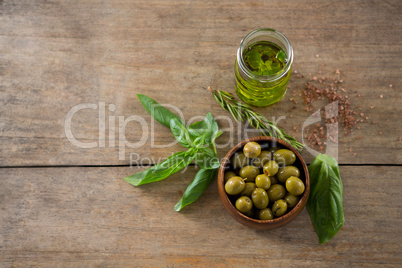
90,216
58,55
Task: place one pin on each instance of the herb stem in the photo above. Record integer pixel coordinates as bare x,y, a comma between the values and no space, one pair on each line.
241,111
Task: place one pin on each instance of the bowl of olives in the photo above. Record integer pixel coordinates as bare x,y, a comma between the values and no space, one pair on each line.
263,182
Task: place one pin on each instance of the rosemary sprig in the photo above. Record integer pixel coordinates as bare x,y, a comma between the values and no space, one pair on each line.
241,111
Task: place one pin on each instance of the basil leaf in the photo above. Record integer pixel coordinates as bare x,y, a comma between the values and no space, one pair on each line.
157,111
197,187
162,170
181,133
207,128
281,56
254,59
325,202
199,141
195,127
216,135
206,158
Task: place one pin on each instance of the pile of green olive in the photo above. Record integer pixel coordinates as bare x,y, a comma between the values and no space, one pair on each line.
263,184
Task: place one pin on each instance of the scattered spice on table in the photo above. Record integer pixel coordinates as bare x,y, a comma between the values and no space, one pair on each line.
319,90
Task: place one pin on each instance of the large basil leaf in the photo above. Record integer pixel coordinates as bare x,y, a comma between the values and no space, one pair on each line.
157,111
197,187
325,204
181,133
206,158
162,170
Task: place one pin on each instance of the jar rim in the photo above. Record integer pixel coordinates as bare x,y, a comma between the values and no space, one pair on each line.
276,34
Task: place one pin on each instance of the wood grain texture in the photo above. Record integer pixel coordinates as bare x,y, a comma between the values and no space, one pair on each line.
90,216
56,55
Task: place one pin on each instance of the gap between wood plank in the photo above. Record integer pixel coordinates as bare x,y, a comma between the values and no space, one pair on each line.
150,165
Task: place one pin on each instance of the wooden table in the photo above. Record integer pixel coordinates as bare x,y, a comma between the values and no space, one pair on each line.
65,205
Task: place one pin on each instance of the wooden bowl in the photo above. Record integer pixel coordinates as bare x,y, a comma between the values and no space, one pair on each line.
264,224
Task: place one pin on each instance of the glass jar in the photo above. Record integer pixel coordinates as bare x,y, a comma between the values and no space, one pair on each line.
261,79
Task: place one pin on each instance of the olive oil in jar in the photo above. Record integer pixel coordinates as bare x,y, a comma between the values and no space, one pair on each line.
263,68
264,58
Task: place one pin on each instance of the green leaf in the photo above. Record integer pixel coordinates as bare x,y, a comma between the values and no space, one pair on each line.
268,64
325,203
216,135
207,158
199,141
197,187
157,111
207,128
181,133
193,129
162,170
197,126
254,59
281,56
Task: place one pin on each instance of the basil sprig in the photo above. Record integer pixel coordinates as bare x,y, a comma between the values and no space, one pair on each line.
199,138
325,203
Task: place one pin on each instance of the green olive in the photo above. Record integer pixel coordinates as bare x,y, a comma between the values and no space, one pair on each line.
252,149
262,159
248,189
234,185
260,198
275,192
244,204
249,173
295,186
250,213
285,172
228,175
274,180
239,160
271,168
265,214
284,157
291,200
279,207
263,181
